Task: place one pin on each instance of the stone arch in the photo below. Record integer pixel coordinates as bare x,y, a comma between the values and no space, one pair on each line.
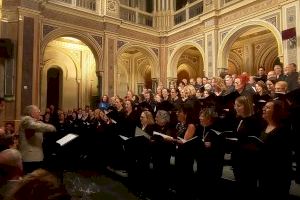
52,62
233,34
84,37
66,74
188,68
147,51
142,70
177,52
237,61
262,59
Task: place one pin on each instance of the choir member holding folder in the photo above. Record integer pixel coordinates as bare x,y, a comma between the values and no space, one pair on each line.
138,152
210,153
161,151
184,156
244,155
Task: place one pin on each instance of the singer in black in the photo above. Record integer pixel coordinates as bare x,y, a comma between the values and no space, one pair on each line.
275,154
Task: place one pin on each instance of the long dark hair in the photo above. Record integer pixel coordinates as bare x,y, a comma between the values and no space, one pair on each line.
279,112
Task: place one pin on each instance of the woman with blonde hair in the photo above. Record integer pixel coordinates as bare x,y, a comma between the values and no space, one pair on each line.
138,151
244,157
218,86
147,122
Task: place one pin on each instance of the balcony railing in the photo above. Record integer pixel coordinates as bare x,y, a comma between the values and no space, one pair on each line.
224,3
145,19
189,11
136,15
85,4
180,17
65,1
127,14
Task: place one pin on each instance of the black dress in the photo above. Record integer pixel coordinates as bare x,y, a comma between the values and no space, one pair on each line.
209,159
275,164
244,156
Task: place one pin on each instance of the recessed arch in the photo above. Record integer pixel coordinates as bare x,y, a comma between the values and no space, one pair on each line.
267,58
155,73
231,37
49,60
84,37
68,73
54,93
137,67
176,54
80,79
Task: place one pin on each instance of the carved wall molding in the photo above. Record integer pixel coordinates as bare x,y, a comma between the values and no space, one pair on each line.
47,29
120,43
98,39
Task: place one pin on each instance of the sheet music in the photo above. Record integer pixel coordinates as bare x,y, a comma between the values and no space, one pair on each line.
256,138
232,138
184,141
140,132
162,135
216,132
124,137
113,121
68,138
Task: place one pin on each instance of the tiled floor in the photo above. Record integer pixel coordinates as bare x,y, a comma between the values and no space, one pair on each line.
88,185
93,186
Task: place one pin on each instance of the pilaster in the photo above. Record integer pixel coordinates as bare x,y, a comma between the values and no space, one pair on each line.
110,65
290,17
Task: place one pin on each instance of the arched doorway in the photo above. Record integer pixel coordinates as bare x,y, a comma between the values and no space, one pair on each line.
187,62
254,48
136,69
250,45
79,81
54,79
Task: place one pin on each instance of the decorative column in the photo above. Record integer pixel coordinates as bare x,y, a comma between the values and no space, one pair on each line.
291,45
211,47
248,59
163,15
99,76
79,86
154,84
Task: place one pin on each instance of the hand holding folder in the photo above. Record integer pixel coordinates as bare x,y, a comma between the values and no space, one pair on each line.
140,132
164,136
185,141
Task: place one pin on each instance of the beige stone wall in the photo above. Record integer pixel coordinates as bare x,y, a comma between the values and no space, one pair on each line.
212,33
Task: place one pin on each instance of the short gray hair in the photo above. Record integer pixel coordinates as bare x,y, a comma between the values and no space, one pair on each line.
164,115
28,110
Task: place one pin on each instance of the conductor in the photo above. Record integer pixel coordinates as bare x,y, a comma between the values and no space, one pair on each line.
31,138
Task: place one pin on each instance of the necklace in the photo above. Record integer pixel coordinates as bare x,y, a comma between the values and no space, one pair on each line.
204,135
238,128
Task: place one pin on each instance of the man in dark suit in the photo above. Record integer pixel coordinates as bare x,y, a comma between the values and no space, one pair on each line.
292,76
279,73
